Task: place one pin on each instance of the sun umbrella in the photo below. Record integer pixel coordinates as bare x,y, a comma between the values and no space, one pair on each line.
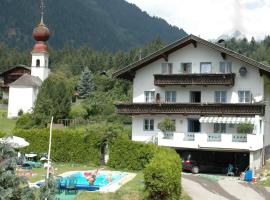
14,141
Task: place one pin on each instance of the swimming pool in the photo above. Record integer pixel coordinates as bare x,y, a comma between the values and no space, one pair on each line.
102,180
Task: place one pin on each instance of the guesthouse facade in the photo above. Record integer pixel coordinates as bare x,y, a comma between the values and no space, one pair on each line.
218,99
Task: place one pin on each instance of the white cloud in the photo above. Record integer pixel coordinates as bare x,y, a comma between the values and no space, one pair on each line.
212,18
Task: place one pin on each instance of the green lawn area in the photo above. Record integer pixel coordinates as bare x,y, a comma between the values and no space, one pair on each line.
6,125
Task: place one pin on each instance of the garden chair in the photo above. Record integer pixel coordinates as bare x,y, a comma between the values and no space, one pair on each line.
71,183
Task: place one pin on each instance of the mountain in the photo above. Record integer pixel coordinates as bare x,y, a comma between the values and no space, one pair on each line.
102,24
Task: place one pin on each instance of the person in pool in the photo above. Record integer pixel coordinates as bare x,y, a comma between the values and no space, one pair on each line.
91,177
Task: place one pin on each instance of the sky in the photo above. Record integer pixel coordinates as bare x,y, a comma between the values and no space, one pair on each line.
210,19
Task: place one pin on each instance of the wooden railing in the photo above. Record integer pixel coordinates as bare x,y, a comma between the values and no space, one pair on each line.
194,79
218,109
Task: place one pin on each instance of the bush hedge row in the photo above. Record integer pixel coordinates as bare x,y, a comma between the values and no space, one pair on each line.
162,176
72,145
131,155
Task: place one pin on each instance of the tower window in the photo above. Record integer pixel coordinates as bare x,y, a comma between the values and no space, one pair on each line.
38,63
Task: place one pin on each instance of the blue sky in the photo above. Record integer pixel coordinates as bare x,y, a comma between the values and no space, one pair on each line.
212,18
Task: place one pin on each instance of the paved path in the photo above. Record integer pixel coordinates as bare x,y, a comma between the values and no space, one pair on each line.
203,188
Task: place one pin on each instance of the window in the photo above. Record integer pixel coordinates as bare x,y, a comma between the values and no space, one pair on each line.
194,126
148,125
206,67
219,128
225,67
195,97
149,96
186,68
220,96
170,96
244,96
167,68
37,63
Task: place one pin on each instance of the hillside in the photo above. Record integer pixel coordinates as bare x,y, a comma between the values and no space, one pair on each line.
104,24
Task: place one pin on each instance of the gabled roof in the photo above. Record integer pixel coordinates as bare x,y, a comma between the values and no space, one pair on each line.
27,80
14,67
129,71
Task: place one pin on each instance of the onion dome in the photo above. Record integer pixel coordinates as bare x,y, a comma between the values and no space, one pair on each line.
39,47
41,32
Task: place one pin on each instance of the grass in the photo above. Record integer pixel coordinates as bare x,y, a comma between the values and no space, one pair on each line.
6,125
133,190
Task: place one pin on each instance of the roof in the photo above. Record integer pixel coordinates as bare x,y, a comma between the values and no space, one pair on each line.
14,67
27,80
128,71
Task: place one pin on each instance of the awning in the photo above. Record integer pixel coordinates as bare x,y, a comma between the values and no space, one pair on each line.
228,120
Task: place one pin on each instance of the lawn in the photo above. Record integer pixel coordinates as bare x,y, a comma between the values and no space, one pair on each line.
6,125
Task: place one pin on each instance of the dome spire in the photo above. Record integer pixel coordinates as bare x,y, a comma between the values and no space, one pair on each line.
42,8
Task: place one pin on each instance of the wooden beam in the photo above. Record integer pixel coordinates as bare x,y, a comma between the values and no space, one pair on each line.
194,43
165,56
223,55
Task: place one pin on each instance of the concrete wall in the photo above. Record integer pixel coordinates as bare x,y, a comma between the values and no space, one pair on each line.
144,79
20,98
255,159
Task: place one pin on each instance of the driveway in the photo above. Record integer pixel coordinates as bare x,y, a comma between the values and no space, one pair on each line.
211,187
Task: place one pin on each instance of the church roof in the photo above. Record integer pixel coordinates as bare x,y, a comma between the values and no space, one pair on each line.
27,80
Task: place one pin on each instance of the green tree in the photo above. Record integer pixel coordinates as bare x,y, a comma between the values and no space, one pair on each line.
54,99
86,84
12,187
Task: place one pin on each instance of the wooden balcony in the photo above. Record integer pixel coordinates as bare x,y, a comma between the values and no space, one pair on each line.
194,79
219,109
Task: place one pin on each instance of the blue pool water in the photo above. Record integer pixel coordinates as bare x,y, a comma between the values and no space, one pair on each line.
101,180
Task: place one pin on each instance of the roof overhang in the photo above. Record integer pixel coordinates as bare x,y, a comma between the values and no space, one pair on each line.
129,71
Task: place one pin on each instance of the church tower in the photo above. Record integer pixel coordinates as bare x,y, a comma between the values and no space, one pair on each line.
40,55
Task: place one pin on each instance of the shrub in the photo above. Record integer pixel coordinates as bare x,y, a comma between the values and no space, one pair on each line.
78,111
126,154
244,128
25,121
163,176
167,125
71,145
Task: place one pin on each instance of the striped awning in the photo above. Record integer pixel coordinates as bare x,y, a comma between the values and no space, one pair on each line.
228,120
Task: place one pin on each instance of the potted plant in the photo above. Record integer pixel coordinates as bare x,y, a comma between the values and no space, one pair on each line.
244,128
167,126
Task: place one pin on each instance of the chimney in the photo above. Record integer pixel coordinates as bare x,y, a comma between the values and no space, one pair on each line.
221,42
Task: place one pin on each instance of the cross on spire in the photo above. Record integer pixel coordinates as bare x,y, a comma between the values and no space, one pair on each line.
42,8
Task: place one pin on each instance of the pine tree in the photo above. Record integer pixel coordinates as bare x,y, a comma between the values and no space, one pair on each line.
12,187
86,84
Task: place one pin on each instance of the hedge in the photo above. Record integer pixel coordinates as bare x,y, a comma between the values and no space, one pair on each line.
162,176
130,155
71,145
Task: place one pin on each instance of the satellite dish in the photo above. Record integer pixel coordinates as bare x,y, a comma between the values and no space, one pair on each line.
243,71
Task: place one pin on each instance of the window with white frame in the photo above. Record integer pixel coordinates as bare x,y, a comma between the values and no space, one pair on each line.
244,96
220,96
186,68
225,67
149,96
167,68
206,67
170,96
148,125
219,128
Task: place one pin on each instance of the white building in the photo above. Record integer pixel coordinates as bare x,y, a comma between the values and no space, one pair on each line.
23,91
207,90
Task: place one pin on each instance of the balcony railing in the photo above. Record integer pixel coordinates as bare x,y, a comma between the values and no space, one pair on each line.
212,140
219,109
194,79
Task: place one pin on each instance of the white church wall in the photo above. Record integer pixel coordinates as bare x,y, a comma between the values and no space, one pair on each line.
20,98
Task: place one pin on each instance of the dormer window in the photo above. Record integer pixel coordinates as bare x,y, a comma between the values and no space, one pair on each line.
167,68
37,63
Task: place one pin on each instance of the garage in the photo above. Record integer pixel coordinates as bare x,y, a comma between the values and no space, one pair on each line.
198,161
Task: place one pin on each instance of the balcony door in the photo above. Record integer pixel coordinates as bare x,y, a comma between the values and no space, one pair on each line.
195,97
194,126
